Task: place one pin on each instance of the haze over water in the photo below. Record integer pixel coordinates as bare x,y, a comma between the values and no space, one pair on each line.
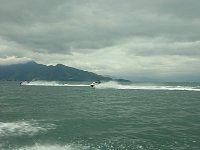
113,116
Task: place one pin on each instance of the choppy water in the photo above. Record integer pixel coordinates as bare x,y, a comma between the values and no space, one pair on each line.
73,116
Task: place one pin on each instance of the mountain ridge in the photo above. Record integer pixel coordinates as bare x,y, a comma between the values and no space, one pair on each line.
34,71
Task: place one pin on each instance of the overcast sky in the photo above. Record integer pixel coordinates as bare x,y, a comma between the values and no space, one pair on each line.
134,39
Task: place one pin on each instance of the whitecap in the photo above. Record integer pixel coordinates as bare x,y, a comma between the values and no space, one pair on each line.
23,128
55,147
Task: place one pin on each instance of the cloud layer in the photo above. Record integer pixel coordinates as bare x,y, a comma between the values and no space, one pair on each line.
132,38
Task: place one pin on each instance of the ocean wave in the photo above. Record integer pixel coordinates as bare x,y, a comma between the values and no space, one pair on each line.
55,147
23,128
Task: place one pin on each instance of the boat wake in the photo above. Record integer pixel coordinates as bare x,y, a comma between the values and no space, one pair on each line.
117,85
140,86
49,83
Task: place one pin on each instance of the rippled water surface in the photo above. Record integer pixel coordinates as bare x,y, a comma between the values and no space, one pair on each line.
45,115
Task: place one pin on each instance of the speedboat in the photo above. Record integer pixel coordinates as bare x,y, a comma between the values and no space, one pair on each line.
24,82
93,84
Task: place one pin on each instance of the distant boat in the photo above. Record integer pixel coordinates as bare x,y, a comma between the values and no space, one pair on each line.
24,82
93,84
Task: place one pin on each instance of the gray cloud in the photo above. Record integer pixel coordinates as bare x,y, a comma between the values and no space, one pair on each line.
98,35
181,8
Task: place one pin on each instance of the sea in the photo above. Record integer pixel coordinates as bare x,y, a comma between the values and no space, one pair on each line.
52,115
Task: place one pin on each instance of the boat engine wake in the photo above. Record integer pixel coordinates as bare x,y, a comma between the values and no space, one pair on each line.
143,86
49,83
118,85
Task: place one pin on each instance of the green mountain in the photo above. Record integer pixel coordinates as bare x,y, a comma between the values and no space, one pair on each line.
33,71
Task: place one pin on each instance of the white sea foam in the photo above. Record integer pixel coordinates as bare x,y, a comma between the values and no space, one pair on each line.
55,147
116,85
43,83
23,128
49,83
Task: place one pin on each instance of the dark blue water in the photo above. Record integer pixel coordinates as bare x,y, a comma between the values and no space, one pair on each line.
113,116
